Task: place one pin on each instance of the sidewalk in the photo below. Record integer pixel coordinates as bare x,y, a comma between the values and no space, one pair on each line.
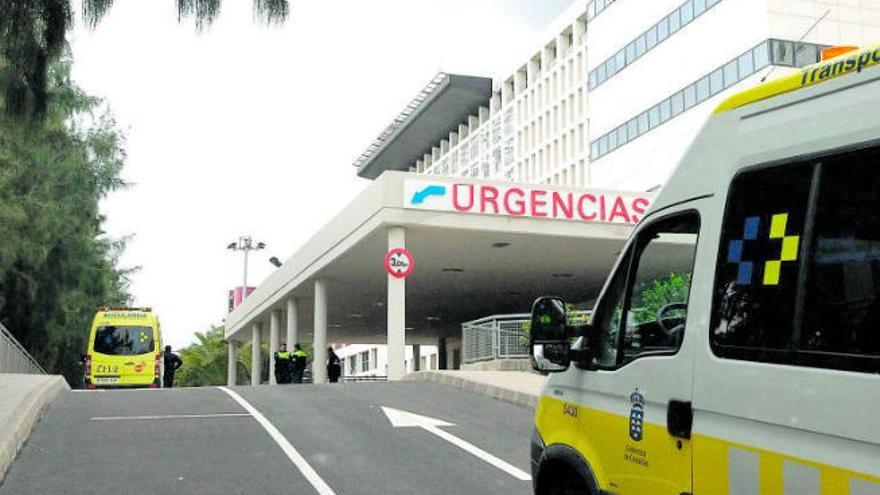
22,400
517,387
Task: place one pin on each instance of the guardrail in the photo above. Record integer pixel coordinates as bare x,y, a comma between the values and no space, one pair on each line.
14,358
501,336
364,378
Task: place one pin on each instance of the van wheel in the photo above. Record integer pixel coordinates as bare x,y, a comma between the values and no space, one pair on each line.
558,478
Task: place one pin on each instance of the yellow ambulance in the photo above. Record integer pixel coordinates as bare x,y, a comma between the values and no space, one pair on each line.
735,347
124,349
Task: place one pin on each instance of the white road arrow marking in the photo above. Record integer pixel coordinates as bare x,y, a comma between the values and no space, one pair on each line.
403,419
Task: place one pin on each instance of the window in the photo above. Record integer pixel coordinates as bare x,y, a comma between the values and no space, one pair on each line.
703,92
632,129
716,82
690,96
783,53
805,54
644,126
651,37
687,13
677,103
654,116
798,275
665,110
630,53
619,61
699,7
662,30
674,22
124,340
365,361
641,45
762,56
731,74
645,307
612,140
746,65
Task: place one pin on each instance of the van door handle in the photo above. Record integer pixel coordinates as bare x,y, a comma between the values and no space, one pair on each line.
680,418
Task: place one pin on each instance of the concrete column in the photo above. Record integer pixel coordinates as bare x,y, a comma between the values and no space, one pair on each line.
232,364
396,312
256,353
274,330
417,357
319,360
292,323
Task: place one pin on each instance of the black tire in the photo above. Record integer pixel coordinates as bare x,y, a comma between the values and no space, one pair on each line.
561,479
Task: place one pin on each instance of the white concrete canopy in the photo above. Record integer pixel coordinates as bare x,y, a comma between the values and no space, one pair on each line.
467,265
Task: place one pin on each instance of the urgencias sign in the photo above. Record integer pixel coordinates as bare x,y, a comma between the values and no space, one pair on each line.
527,201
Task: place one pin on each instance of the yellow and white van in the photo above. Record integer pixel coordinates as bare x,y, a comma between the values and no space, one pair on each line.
124,349
735,348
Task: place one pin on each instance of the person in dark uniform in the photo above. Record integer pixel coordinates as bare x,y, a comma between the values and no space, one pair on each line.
172,363
283,365
334,369
300,358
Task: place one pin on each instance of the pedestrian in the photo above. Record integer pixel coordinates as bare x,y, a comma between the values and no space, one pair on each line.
333,367
283,365
172,364
300,357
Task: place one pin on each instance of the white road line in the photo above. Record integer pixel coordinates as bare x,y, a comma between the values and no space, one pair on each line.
171,416
482,454
294,456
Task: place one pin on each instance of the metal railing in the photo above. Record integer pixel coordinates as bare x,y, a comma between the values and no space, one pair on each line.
14,358
501,336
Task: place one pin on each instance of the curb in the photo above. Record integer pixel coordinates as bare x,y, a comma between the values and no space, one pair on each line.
17,430
521,399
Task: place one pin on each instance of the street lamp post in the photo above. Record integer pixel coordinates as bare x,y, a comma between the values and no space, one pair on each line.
245,244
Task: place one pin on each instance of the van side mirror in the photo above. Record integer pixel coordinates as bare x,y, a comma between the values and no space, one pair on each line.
550,335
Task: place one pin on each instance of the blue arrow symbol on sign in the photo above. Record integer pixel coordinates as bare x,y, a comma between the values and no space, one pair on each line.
420,196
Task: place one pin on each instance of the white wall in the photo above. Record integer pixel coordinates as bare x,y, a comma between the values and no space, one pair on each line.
379,367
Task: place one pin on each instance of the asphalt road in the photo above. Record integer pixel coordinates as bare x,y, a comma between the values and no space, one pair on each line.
205,442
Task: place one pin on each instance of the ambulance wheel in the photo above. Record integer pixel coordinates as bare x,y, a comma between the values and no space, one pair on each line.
558,478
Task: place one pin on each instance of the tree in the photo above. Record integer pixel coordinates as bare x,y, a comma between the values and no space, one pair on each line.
56,264
205,362
672,288
33,34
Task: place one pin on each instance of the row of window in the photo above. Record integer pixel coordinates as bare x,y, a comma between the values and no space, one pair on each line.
797,280
596,7
771,52
648,40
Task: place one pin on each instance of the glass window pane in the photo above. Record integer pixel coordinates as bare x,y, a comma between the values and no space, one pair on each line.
761,54
632,129
754,300
601,74
603,145
593,79
643,123
843,292
622,135
746,65
659,288
731,74
620,60
665,110
711,3
690,96
703,92
674,22
716,82
630,53
654,116
783,53
594,150
641,45
699,7
677,103
612,140
591,10
687,13
805,54
651,38
662,29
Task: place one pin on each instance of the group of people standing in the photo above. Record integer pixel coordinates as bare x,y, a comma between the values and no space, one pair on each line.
290,366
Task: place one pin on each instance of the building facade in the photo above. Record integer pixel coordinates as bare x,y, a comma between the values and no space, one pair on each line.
617,90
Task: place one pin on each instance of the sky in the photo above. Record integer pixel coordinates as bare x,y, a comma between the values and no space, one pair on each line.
248,129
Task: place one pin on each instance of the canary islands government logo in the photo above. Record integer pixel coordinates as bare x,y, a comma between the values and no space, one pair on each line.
637,415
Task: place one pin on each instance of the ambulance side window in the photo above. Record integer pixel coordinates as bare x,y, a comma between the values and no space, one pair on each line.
645,306
798,274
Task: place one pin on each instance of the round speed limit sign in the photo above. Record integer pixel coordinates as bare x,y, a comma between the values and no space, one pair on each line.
399,262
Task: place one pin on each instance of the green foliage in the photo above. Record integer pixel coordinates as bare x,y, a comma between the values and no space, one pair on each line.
33,38
660,292
56,265
205,362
